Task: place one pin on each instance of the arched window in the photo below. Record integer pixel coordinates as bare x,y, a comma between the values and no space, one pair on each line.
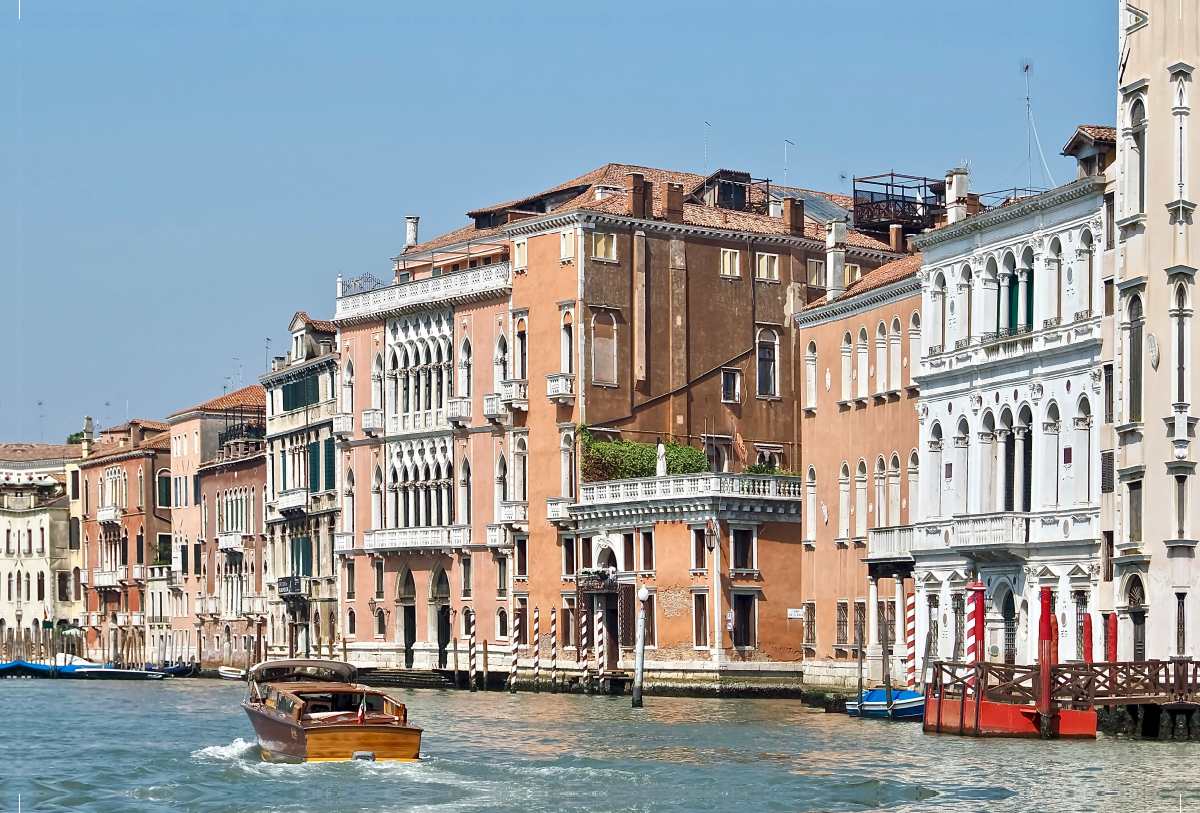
1181,330
768,369
880,492
1136,189
1054,266
567,457
940,308
521,460
1087,277
1136,325
914,345
440,371
522,359
810,504
502,623
348,388
1027,285
427,377
847,367
393,515
464,492
501,482
863,360
377,499
604,348
860,500
464,368
348,503
881,362
961,477
1006,306
500,363
405,382
76,585
377,383
895,362
393,383
935,465
810,376
380,624
567,361
1082,452
844,501
893,491
967,326
41,586
1050,430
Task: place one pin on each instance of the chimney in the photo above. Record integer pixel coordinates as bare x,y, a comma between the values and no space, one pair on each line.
896,237
88,433
956,195
835,258
648,200
326,346
673,202
793,215
410,239
635,189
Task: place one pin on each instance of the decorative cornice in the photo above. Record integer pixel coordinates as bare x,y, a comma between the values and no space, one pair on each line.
843,307
1091,185
298,371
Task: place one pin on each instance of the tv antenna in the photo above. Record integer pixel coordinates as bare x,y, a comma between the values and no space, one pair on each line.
41,425
785,146
706,126
1031,128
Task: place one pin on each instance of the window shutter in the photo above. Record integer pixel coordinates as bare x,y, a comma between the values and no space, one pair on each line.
164,491
1106,472
627,614
314,467
283,471
329,465
311,390
196,490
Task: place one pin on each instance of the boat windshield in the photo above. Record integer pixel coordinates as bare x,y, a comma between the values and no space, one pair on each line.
301,671
317,703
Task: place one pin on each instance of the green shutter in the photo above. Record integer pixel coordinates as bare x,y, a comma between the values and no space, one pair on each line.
164,491
283,471
314,389
329,465
314,467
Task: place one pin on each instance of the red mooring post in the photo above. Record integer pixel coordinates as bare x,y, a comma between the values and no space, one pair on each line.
1054,638
1087,637
1044,655
1110,653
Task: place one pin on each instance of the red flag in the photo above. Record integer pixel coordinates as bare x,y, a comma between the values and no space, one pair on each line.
362,710
739,445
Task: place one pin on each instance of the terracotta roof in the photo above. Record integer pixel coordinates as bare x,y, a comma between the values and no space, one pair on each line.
252,397
881,276
319,324
468,232
113,449
1089,134
159,442
29,452
717,218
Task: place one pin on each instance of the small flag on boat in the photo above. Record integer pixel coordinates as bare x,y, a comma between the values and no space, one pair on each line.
362,710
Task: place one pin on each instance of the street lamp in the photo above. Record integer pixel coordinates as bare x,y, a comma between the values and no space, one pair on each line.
643,594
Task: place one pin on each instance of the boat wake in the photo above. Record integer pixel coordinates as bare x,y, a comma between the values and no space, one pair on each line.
237,751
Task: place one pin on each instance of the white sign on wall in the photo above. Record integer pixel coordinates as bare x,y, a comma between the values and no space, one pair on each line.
795,613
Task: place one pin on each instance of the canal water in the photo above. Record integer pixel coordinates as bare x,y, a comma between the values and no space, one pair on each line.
186,745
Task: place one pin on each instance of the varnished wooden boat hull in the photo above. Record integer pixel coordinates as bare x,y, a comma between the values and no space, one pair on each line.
283,740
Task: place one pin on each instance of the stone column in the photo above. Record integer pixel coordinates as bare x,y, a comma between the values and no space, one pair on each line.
900,644
874,652
1005,301
1019,469
1000,482
1023,314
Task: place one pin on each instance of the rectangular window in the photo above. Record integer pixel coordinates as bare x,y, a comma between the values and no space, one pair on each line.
521,550
502,577
627,539
1106,556
75,484
730,263
585,552
767,267
843,623
852,273
699,550
604,246
466,577
744,621
164,550
314,467
330,465
816,273
647,550
196,490
349,580
519,254
1180,624
860,622
566,626
766,366
743,549
1135,511
1081,609
196,559
568,546
378,579
1180,506
1106,472
810,624
731,386
700,619
1108,297
1110,220
1108,393
566,245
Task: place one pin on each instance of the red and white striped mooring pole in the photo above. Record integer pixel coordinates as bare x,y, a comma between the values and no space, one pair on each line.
910,636
974,624
580,652
553,650
537,649
516,637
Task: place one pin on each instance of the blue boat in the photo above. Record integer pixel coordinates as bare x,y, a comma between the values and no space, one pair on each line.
906,705
79,671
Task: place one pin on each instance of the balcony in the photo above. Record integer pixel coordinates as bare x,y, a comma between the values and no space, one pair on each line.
515,513
138,619
372,422
514,394
343,542
999,532
496,537
23,503
94,619
429,538
122,619
457,287
294,500
175,578
460,536
896,542
292,586
254,605
741,497
458,411
995,537
158,572
131,573
343,425
84,576
109,515
557,510
560,388
493,407
229,540
104,578
691,485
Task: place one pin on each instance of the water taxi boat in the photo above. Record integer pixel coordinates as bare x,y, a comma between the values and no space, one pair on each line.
315,711
231,673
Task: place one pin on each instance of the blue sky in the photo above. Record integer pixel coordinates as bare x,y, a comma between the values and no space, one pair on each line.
177,179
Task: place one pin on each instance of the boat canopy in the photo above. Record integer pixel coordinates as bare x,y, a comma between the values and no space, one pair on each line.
300,670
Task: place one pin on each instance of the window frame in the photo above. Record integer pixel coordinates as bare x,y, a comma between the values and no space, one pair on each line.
566,244
753,553
774,347
736,265
598,239
772,267
520,254
736,372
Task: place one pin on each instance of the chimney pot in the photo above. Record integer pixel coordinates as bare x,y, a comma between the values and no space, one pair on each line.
673,202
410,239
648,200
835,258
635,194
896,237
